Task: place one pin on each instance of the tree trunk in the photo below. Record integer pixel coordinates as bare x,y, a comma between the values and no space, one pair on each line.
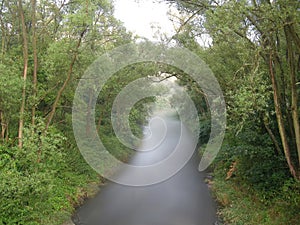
292,70
3,33
35,61
7,133
280,121
2,41
25,68
3,125
273,138
60,91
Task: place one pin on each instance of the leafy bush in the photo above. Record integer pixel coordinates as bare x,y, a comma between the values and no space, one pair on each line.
286,204
37,182
28,175
259,190
257,164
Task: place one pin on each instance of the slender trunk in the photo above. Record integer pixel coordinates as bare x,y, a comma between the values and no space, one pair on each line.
294,105
7,133
273,138
291,132
3,32
292,33
60,91
2,125
35,61
2,42
280,121
25,68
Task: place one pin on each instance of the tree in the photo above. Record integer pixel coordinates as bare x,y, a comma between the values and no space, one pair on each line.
25,69
263,39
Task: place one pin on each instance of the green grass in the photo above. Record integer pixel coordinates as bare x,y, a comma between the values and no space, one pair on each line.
241,205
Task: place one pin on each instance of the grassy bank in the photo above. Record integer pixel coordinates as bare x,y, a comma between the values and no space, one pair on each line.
240,205
251,184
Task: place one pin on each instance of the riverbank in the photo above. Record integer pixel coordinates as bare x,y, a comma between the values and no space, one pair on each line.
86,193
241,204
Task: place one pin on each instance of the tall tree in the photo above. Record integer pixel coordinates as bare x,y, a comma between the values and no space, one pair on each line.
25,69
35,60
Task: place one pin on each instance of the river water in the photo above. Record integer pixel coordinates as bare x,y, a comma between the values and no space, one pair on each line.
183,199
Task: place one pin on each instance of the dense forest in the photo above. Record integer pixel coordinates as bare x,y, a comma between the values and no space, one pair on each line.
253,50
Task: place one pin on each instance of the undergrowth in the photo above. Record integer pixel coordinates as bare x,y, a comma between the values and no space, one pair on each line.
252,184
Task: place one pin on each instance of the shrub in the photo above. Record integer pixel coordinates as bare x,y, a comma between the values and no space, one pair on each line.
29,179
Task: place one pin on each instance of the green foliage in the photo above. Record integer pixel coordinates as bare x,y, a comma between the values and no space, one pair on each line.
241,204
10,91
116,148
287,204
29,188
137,116
38,184
43,182
258,191
257,164
237,205
250,45
205,128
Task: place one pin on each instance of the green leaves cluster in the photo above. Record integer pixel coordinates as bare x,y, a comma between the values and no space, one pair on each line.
10,90
30,178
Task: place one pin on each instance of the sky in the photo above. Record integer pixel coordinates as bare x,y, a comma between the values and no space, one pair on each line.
142,17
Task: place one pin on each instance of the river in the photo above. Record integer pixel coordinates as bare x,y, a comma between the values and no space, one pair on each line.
183,199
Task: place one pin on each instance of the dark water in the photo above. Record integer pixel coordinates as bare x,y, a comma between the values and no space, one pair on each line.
183,199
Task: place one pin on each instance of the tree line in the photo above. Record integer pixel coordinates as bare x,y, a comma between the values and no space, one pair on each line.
253,50
45,48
